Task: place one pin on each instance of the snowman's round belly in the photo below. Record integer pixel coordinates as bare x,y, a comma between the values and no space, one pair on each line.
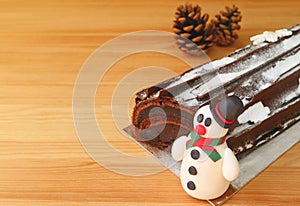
201,177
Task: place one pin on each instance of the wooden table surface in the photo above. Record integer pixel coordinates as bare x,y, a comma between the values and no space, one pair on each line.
43,45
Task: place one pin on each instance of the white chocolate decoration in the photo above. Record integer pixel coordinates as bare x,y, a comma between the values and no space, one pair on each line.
283,32
270,36
255,113
265,36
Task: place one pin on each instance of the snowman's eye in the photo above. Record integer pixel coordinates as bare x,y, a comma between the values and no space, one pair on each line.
200,118
207,122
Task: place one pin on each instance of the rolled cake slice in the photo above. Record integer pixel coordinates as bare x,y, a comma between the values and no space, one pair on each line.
265,75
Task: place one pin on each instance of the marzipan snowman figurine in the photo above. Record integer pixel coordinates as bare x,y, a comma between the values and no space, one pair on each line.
208,165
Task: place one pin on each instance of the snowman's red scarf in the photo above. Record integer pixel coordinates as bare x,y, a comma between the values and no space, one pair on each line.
206,144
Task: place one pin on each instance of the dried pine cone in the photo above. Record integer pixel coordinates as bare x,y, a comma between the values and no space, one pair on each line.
195,31
227,26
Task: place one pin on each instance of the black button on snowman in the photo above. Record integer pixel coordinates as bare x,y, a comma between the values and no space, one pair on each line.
208,165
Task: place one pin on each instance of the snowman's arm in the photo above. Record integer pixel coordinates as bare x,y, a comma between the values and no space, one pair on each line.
230,167
179,147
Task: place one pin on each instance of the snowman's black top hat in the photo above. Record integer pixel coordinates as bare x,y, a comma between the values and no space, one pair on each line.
226,111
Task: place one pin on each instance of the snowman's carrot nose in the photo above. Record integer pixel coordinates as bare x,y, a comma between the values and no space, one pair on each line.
200,129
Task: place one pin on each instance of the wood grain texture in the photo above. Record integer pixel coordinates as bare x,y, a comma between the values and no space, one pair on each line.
43,46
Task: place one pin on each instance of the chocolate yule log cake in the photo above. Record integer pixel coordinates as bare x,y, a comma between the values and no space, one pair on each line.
264,74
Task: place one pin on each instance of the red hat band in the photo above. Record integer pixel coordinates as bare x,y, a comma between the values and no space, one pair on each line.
220,115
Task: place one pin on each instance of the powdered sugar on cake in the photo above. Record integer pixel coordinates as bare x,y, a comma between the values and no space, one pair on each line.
281,67
264,75
218,73
206,68
255,62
